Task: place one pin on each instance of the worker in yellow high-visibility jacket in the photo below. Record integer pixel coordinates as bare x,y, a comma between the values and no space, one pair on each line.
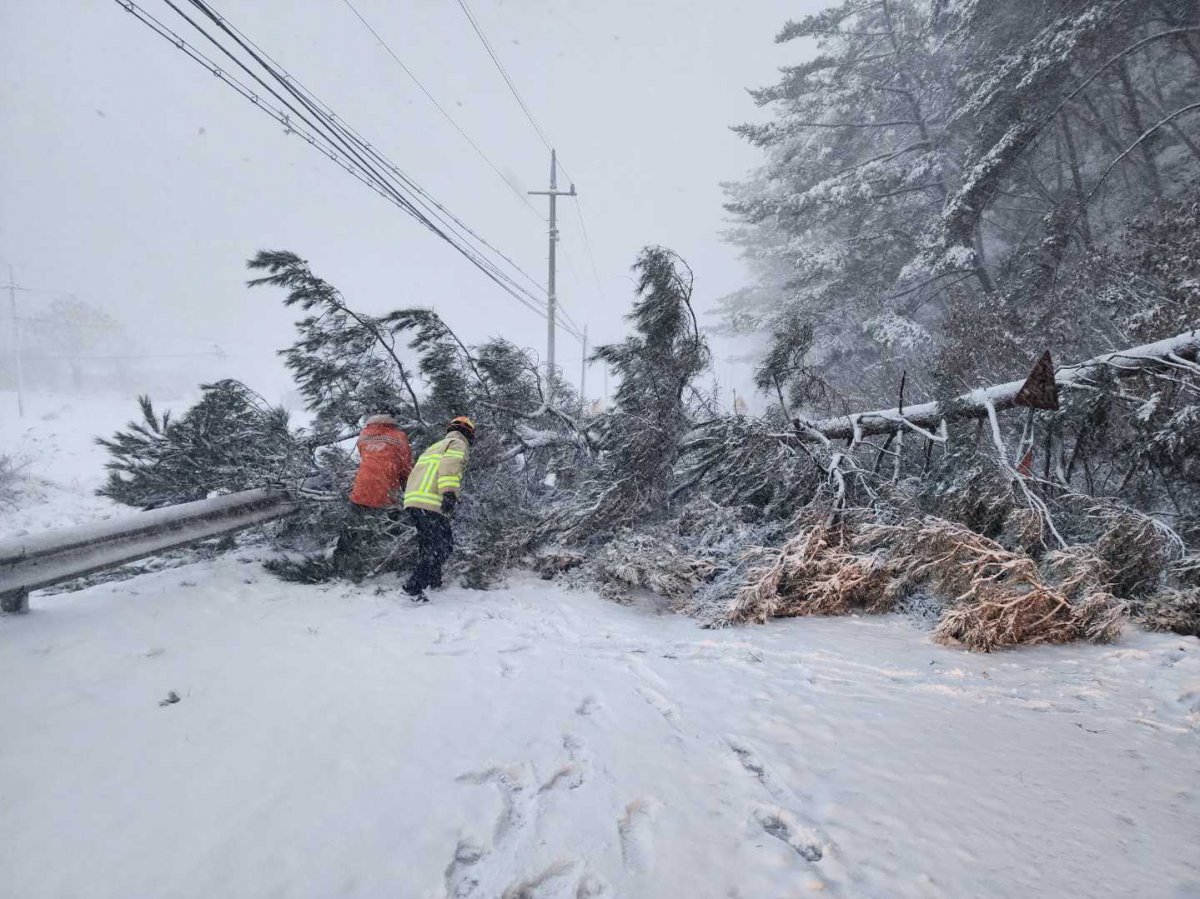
430,497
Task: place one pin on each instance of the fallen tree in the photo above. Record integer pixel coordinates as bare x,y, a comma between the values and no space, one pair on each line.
1179,352
724,515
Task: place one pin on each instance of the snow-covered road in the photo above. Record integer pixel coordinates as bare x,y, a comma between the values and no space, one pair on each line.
531,742
534,742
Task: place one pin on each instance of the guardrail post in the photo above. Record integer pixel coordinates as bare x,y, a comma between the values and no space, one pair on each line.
16,601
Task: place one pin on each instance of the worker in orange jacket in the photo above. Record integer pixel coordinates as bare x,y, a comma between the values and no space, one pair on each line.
385,461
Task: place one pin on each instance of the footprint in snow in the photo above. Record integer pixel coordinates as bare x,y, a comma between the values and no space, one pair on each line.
753,764
461,881
529,887
569,776
783,826
659,703
750,761
636,831
573,773
591,886
512,784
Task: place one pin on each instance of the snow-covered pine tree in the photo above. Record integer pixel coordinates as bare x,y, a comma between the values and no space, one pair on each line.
346,363
1079,128
936,179
655,367
783,372
642,434
230,440
858,163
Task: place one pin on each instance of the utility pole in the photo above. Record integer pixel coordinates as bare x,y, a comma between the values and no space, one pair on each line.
583,370
12,299
553,193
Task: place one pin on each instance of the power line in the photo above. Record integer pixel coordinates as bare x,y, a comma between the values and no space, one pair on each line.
351,147
536,127
216,355
51,293
587,244
503,74
326,119
294,86
336,142
449,118
571,327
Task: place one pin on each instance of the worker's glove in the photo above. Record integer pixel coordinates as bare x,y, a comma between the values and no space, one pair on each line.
449,501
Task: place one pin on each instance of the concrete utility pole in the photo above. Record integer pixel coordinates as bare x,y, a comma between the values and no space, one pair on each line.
553,193
583,370
12,300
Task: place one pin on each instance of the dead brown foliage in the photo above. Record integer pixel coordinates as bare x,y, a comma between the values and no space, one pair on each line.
995,597
814,573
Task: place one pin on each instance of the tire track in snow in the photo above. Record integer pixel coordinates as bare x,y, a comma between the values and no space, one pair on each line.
650,687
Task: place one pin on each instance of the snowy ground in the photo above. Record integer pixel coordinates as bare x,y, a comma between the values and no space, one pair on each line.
55,447
533,742
530,742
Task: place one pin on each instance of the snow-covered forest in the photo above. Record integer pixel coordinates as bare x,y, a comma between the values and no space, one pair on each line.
972,253
951,188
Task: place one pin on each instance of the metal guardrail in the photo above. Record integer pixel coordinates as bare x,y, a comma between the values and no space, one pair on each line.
34,561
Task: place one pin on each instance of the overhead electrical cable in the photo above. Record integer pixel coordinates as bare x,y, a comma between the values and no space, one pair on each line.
587,244
449,118
536,127
329,129
328,120
503,74
297,89
319,139
318,125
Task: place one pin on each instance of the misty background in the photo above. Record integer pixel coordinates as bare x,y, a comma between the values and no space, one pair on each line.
134,186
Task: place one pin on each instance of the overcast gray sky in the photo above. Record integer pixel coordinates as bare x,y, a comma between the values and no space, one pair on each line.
135,180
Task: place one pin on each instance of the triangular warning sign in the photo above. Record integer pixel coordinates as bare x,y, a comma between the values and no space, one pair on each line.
1025,466
1040,390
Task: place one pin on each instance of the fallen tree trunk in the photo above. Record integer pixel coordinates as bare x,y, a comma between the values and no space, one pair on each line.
1178,352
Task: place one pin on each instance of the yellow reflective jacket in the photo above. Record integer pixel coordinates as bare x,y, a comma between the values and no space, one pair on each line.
439,470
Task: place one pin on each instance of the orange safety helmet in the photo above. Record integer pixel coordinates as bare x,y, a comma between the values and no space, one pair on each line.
464,426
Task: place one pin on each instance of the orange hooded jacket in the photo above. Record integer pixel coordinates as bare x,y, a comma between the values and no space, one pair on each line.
385,461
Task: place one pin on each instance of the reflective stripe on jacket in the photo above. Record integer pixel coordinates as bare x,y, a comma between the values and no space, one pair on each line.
385,462
439,470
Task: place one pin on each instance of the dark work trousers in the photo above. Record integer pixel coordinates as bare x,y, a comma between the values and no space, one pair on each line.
435,540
